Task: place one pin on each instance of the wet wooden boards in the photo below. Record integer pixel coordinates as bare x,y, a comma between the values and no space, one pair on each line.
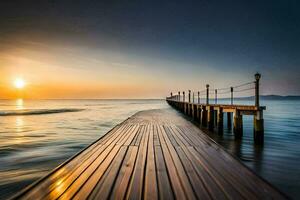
155,154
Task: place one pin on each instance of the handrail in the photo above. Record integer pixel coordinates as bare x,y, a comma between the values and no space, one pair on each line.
205,93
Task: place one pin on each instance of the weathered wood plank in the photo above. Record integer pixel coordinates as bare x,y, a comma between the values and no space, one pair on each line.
151,190
56,178
105,184
164,185
178,177
135,189
123,178
87,181
254,185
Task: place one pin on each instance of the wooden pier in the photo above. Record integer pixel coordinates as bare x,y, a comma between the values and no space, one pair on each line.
211,116
155,154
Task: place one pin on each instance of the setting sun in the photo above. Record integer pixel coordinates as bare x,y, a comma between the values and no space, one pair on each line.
19,83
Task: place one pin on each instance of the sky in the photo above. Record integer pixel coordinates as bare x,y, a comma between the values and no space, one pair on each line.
146,49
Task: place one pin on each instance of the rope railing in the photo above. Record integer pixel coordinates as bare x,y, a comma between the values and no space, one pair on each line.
216,94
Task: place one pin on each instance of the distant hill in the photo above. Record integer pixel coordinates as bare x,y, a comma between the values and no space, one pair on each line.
269,97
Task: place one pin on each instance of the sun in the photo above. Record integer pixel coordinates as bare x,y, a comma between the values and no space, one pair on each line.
19,83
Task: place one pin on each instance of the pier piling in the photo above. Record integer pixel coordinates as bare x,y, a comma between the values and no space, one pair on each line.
229,120
231,92
257,77
259,128
210,117
258,118
204,116
238,124
207,94
220,120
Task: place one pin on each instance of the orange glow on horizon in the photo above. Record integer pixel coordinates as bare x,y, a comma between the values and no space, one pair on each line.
28,73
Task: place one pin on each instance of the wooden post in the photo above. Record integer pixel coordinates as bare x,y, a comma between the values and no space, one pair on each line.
171,95
204,116
210,117
229,120
184,104
194,111
216,96
207,94
189,101
220,120
259,127
238,124
231,91
178,96
197,113
258,118
257,77
198,97
193,98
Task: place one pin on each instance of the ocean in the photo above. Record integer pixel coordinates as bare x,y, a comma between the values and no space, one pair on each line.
38,135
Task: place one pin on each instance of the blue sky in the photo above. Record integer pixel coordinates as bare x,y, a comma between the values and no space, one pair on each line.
152,47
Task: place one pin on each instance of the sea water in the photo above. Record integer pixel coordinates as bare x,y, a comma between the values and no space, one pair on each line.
38,135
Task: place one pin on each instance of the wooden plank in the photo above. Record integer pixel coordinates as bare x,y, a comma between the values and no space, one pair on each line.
155,137
151,188
178,137
135,190
105,184
164,185
58,186
139,137
207,153
197,183
179,180
230,175
170,137
129,139
123,178
230,192
58,176
221,159
216,191
87,180
136,136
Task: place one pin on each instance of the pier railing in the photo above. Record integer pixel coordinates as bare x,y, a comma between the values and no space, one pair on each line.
207,111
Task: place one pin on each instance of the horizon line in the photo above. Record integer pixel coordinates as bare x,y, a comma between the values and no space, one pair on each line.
138,98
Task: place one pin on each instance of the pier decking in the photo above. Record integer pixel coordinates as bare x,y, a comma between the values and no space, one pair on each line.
156,154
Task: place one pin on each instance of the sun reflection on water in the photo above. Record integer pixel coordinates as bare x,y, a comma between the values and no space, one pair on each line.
19,124
19,139
19,104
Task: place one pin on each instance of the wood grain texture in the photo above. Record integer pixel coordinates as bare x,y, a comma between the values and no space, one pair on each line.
155,154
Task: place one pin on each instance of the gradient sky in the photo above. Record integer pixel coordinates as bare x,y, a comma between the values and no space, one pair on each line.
145,49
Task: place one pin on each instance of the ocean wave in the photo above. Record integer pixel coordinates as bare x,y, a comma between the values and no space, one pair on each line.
38,111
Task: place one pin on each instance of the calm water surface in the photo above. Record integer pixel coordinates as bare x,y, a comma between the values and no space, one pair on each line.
36,136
